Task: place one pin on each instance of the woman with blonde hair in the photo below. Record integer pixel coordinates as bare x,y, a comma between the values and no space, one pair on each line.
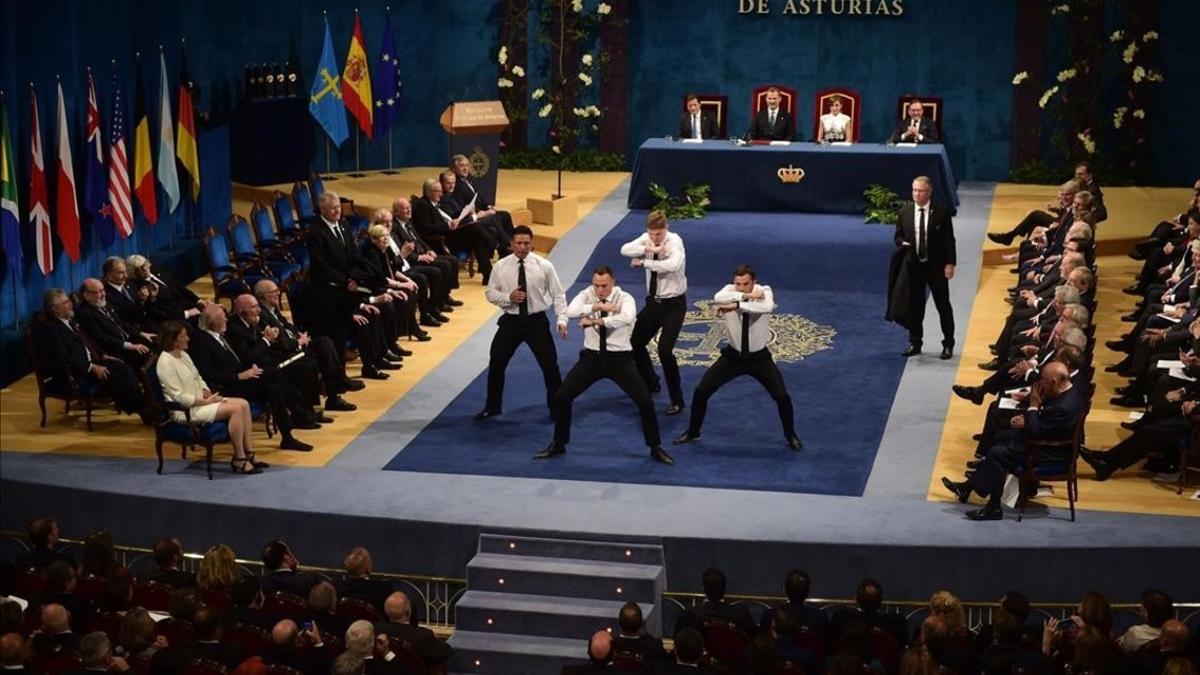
947,605
218,570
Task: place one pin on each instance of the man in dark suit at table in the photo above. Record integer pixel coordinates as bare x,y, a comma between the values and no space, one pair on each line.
696,123
915,127
772,123
928,233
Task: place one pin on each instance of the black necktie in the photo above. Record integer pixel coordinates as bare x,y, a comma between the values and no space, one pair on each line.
603,333
745,333
107,312
90,347
523,307
337,231
654,280
922,238
225,344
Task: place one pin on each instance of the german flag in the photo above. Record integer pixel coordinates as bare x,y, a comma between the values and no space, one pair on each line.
143,160
185,129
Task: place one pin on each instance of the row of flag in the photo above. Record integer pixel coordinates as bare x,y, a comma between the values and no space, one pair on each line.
107,196
374,107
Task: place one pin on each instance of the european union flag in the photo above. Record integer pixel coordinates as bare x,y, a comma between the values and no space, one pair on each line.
387,83
325,99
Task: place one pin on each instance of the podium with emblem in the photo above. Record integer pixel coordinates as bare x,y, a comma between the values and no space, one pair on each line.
474,129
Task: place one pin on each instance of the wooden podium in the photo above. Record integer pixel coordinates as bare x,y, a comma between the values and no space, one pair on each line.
474,128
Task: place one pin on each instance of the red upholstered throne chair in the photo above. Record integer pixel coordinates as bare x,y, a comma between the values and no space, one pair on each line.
933,110
716,105
851,106
787,101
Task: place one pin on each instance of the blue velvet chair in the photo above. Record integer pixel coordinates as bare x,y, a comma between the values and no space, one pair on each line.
228,282
269,243
305,203
251,259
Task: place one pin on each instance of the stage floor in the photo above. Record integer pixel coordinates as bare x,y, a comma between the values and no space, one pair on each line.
340,494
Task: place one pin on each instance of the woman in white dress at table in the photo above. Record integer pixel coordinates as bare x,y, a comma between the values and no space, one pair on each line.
182,384
835,125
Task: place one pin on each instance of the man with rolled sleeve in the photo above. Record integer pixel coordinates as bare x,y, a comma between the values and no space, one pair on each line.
524,285
606,314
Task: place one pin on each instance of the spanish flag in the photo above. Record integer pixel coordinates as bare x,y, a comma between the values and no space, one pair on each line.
143,160
356,81
185,129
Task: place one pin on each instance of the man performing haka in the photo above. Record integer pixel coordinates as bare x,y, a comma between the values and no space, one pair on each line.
746,307
606,314
661,253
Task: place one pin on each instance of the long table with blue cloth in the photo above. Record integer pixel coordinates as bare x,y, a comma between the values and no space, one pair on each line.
795,177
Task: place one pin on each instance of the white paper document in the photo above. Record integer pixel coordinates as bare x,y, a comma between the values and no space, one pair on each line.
692,140
781,142
1009,403
1169,365
467,210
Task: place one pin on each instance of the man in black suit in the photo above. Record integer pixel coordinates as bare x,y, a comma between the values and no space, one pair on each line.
43,534
424,253
61,583
715,607
796,587
323,601
868,601
464,193
772,123
689,649
696,123
433,288
374,650
12,654
226,372
248,605
96,655
420,640
915,127
452,205
1055,405
359,584
207,644
290,340
281,574
168,556
252,341
123,296
600,652
927,233
56,633
172,300
433,222
108,330
63,345
302,651
634,639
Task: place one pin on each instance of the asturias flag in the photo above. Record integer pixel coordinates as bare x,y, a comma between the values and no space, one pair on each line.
387,83
143,163
10,220
66,211
356,81
325,99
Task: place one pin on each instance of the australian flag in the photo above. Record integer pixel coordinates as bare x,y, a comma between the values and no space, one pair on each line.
386,92
325,98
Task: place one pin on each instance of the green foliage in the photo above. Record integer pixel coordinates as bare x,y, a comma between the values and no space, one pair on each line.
544,159
1038,172
693,204
883,205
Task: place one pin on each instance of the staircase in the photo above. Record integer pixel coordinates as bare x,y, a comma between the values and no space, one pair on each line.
531,604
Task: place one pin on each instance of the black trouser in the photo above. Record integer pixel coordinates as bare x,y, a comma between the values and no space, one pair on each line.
1001,460
591,368
732,364
122,385
1163,436
372,342
302,375
533,330
666,315
433,286
934,277
480,242
448,266
329,361
499,231
1030,221
275,391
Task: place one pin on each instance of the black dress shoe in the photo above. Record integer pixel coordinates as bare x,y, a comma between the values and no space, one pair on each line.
324,419
1132,290
485,413
1117,345
402,351
988,512
1127,390
339,404
430,321
353,385
393,358
794,443
306,425
686,437
420,336
947,353
974,463
1003,238
994,364
912,350
384,364
1132,317
438,316
659,455
977,437
973,394
291,443
1128,401
1137,255
1117,367
994,350
453,303
1103,469
549,451
673,409
961,493
374,374
445,308
1132,425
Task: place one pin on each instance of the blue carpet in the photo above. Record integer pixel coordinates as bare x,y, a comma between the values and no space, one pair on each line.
829,277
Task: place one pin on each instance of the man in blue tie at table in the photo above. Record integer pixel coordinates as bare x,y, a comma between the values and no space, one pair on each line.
696,123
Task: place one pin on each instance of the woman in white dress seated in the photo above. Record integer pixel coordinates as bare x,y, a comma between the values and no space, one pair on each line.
835,125
182,384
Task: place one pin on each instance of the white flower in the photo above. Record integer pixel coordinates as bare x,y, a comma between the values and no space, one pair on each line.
538,93
1154,76
545,111
586,59
502,57
581,112
504,82
1020,77
1139,74
1149,35
556,150
1065,75
1140,114
1119,116
518,71
1088,144
577,6
1060,9
1117,36
1127,55
585,79
1047,96
593,111
604,8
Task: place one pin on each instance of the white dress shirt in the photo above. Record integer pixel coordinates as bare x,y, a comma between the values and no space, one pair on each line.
619,325
758,313
695,121
671,265
834,126
542,287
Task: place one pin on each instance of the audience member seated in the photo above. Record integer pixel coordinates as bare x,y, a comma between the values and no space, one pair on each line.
854,652
96,655
171,299
695,122
206,645
868,603
43,535
12,654
124,297
323,601
947,605
422,269
1017,605
633,638
934,653
65,345
385,272
1009,650
771,123
281,574
915,127
218,570
12,616
117,593
600,654
137,640
183,603
399,625
1095,653
1171,648
796,587
835,126
425,252
464,193
1057,210
248,605
347,664
715,607
112,334
396,299
377,656
302,651
776,645
61,582
488,228
251,340
1156,607
168,557
689,650
55,632
358,582
435,224
99,558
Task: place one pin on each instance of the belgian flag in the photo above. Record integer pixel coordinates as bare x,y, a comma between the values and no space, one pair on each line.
143,160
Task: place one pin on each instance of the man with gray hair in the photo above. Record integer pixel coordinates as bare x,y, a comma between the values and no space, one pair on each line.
95,653
108,330
436,224
399,626
424,252
123,295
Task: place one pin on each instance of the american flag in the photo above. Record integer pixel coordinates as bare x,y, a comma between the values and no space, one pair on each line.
118,169
39,213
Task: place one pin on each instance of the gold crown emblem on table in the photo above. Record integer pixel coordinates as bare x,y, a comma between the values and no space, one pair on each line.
790,174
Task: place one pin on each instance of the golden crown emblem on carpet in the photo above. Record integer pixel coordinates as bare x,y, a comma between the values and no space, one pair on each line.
793,337
790,174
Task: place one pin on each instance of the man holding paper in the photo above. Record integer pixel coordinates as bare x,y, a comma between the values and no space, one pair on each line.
468,214
432,217
465,194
